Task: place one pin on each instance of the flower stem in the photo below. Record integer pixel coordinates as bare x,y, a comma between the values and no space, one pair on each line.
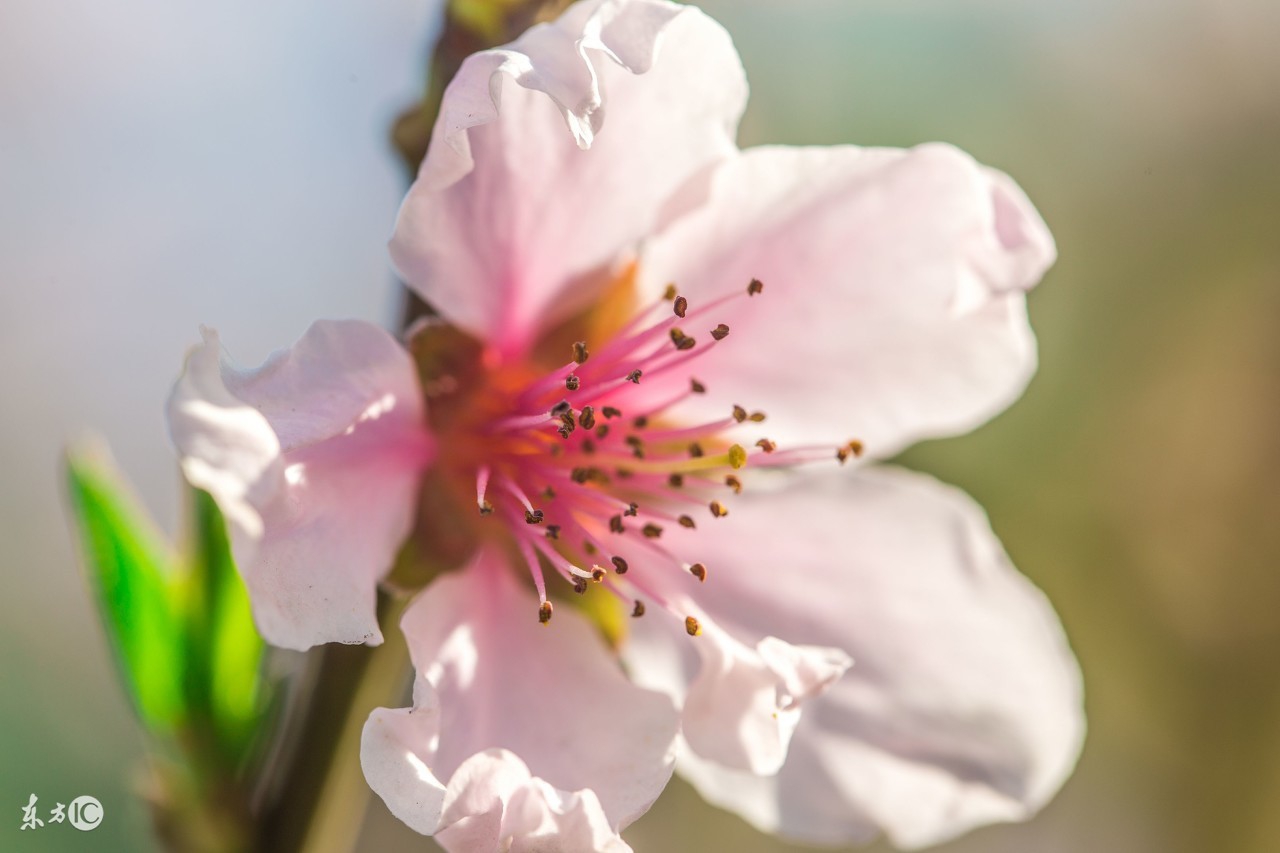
317,800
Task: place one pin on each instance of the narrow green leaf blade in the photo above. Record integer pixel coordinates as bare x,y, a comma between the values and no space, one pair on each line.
228,645
131,573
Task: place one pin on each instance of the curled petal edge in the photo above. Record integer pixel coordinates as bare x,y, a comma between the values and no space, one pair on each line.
627,33
492,801
742,706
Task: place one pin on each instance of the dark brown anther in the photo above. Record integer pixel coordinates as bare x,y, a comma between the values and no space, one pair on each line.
549,493
720,332
675,481
686,521
580,353
619,565
697,387
739,414
651,531
671,292
699,571
718,510
634,376
766,445
486,508
681,306
588,446
636,444
572,382
615,524
588,475
544,612
638,610
589,549
611,412
597,574
733,483
587,417
686,343
632,510
853,448
756,417
677,335
553,531
756,286
602,431
695,450
579,585
559,410
533,516
640,422
692,627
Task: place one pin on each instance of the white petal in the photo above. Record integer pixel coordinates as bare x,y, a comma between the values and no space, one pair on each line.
964,705
514,219
740,709
314,459
542,818
550,694
396,747
803,672
491,802
893,307
476,804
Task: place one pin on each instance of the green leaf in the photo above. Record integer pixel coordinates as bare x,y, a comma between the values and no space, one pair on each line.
226,649
132,573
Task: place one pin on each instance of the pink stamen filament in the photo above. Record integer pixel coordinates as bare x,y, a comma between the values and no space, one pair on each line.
550,382
607,478
482,484
535,568
516,492
689,433
792,456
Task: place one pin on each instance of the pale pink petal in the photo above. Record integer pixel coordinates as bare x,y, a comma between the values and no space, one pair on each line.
495,804
515,216
551,694
542,818
314,459
893,307
396,748
964,704
477,801
491,802
803,672
740,703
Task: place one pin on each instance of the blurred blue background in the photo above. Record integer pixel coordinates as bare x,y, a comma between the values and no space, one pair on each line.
166,164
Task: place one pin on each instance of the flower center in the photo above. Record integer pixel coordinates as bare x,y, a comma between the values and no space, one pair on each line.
579,470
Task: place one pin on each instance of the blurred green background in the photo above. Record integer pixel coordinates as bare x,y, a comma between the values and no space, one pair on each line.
1137,482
